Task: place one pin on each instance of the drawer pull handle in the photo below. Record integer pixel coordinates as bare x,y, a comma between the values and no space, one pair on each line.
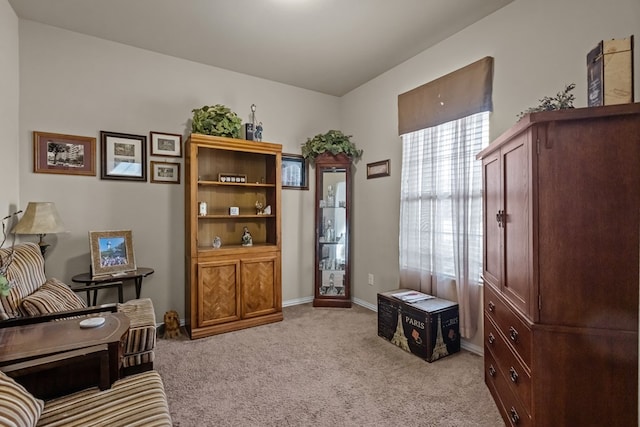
513,334
513,415
492,371
513,374
492,306
491,338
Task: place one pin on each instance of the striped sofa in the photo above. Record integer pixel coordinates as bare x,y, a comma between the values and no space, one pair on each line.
137,400
33,294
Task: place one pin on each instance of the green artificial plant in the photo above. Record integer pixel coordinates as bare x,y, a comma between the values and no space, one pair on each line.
216,120
334,142
563,100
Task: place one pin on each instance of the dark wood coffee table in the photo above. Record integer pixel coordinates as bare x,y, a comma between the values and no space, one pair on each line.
28,350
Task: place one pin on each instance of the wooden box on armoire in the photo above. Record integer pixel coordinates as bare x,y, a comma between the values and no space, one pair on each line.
430,328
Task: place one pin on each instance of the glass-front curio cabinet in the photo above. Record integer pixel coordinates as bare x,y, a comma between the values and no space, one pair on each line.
332,258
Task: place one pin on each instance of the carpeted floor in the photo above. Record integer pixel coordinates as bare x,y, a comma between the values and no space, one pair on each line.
319,367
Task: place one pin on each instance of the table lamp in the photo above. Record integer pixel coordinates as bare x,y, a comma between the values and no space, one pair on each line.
39,218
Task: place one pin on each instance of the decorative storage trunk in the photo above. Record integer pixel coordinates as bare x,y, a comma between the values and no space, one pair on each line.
429,328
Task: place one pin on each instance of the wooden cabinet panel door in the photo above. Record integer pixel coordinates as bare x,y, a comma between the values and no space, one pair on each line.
589,186
492,220
218,292
516,284
259,286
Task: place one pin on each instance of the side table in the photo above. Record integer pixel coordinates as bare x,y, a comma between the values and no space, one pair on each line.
95,283
47,357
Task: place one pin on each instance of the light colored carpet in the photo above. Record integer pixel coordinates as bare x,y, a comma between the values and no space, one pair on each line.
319,367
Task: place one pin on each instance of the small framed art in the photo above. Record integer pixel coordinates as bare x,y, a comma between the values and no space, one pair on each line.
378,169
295,172
166,144
124,156
165,173
111,252
64,154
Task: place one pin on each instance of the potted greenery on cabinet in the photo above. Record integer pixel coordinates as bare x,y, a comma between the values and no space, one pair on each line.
334,142
216,120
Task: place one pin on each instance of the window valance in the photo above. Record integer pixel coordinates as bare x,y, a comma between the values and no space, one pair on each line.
458,94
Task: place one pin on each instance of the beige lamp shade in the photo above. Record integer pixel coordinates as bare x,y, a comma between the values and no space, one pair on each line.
39,218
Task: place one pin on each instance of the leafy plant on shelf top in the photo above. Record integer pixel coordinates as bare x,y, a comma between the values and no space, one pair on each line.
334,142
216,120
562,101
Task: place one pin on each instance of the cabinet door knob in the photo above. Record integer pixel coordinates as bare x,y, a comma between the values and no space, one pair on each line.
492,306
513,374
513,415
501,218
513,334
491,338
492,371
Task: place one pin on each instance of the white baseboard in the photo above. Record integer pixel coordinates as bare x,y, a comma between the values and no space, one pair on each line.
297,301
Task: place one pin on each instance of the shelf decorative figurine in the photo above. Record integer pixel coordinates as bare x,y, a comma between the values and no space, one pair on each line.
246,237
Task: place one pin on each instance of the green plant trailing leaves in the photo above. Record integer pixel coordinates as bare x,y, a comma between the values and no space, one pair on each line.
216,120
334,142
563,100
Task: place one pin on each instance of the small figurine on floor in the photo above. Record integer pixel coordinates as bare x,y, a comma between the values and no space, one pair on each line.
171,324
246,237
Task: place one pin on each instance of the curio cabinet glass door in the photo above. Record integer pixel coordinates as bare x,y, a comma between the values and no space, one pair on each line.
332,234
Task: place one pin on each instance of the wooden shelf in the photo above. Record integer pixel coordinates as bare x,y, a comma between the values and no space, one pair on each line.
237,184
234,216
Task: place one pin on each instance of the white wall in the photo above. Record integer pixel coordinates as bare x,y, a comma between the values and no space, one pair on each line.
79,85
538,48
9,104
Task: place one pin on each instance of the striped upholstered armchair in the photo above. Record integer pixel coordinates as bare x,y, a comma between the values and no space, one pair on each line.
33,297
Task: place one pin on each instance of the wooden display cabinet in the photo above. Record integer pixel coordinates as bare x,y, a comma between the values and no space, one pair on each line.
232,286
332,257
561,250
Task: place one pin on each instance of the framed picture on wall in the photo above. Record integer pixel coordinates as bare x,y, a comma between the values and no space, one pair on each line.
124,156
111,252
295,172
165,144
64,154
378,169
165,173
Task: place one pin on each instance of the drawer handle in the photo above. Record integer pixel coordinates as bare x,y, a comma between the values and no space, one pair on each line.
513,415
491,338
513,374
513,334
492,371
492,306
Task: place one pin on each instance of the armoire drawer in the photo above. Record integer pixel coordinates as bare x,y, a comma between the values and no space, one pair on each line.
518,376
509,405
511,325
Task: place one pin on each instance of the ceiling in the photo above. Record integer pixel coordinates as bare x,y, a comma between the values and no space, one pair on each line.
329,46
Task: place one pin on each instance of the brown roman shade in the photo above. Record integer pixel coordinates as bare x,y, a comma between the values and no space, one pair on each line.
458,94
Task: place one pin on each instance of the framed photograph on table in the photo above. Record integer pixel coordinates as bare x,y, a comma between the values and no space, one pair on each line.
295,172
378,169
124,156
111,252
166,144
64,154
165,173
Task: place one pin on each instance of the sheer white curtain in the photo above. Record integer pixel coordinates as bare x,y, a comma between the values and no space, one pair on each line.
441,213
